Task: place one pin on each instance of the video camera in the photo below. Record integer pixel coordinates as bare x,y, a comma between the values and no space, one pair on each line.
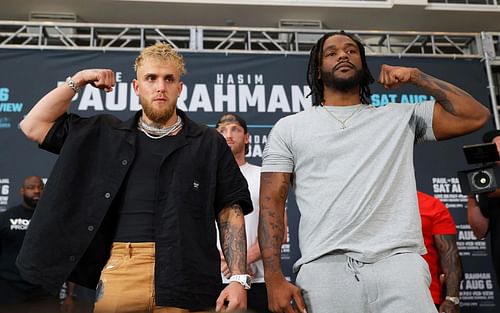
481,179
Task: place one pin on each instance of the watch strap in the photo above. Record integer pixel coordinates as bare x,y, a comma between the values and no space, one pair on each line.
454,300
245,280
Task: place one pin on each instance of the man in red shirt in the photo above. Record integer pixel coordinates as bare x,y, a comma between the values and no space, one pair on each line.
439,231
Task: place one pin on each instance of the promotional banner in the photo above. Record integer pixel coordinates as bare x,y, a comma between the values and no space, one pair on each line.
262,89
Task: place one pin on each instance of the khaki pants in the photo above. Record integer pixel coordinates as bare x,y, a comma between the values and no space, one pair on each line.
127,281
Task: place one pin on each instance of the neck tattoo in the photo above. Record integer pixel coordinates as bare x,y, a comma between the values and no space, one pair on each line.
157,133
343,122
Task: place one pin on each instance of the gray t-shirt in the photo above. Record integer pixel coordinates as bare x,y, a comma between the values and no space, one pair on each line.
355,186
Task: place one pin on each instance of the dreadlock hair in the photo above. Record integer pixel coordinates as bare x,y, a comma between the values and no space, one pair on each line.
315,61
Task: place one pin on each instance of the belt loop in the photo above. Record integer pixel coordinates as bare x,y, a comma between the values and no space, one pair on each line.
129,249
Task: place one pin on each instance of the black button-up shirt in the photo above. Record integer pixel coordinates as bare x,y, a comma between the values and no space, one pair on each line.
71,231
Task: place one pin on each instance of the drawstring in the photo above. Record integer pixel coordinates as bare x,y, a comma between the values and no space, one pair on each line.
352,266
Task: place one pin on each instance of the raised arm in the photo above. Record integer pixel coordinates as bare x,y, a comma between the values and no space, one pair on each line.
47,110
452,268
234,246
273,195
456,112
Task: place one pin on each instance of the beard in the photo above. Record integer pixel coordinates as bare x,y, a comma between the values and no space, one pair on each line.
30,202
157,116
342,84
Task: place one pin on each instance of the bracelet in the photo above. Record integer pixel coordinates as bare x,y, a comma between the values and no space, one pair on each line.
72,84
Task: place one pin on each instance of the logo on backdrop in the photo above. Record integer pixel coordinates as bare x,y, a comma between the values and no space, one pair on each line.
5,122
477,290
256,145
381,99
226,93
448,190
7,105
468,244
4,193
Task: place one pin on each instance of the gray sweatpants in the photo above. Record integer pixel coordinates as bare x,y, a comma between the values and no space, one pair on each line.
337,284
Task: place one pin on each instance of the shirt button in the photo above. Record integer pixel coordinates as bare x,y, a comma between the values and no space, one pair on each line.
107,195
72,258
90,228
124,162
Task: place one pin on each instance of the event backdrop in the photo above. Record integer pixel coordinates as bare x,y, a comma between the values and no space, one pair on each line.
262,89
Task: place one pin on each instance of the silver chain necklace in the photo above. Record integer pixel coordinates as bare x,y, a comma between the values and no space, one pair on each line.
344,121
157,133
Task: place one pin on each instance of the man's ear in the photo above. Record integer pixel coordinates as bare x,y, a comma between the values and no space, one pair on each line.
179,91
135,85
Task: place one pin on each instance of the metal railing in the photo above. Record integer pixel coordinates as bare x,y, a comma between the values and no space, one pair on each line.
495,42
491,57
467,2
51,35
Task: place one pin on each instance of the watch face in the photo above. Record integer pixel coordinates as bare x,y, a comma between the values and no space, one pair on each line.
454,300
245,280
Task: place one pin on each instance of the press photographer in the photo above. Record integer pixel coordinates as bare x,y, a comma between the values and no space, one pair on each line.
483,209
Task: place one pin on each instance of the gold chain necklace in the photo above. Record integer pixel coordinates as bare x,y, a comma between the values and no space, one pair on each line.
344,121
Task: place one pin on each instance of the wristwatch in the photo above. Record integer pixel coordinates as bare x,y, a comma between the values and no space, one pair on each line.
454,300
244,280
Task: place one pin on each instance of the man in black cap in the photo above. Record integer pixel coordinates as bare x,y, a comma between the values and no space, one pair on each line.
483,212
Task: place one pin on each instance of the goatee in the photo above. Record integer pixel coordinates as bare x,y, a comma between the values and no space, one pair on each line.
341,84
158,116
30,202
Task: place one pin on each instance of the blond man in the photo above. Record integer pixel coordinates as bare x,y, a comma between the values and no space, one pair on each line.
136,204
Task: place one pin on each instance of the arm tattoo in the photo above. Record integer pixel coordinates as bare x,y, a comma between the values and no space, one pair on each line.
441,91
450,262
274,191
233,238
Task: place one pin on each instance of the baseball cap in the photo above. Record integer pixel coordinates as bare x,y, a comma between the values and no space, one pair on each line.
232,118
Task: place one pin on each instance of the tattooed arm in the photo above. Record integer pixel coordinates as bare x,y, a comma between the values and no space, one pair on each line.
452,268
273,194
456,112
233,238
234,246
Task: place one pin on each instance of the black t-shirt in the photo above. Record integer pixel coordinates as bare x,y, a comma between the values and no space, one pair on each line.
13,225
490,208
139,195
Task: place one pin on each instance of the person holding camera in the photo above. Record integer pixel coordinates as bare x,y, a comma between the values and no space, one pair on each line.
483,212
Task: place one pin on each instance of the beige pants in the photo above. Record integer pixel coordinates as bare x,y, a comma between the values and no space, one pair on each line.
127,281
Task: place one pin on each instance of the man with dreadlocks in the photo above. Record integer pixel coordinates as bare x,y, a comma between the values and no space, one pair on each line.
351,167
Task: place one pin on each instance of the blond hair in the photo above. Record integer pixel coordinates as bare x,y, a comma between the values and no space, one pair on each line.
163,52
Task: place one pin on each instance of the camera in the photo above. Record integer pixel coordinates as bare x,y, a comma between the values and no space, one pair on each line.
481,179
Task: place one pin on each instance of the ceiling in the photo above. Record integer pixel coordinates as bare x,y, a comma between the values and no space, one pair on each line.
397,18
